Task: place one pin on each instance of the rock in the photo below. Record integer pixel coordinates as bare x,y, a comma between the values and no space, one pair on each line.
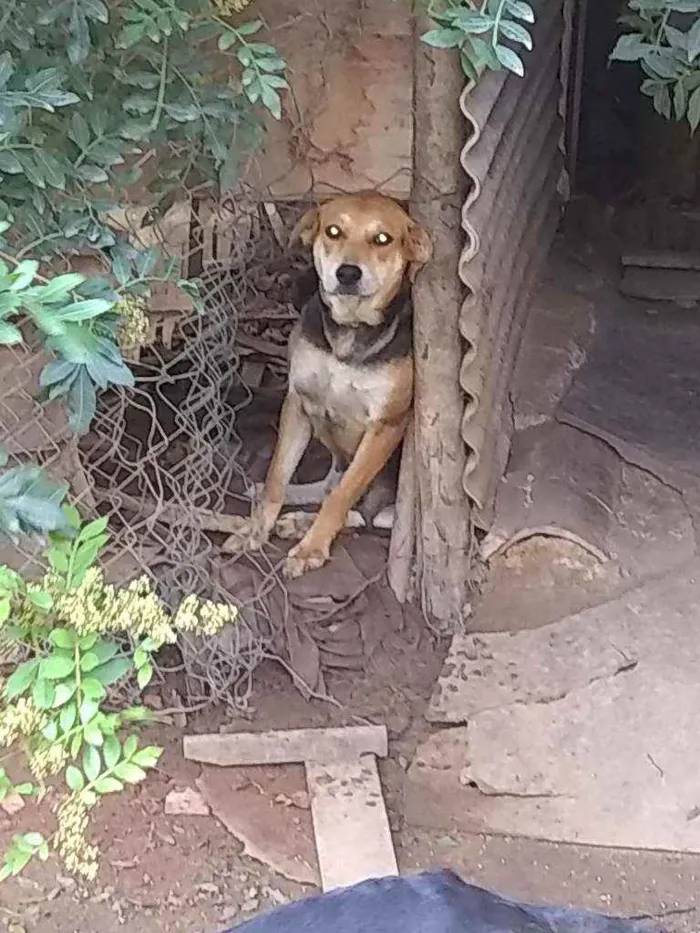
12,804
187,802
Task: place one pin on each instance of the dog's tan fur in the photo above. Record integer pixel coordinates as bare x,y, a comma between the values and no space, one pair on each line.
358,409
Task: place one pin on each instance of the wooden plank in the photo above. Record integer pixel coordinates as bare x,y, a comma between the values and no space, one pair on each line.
353,838
663,259
285,746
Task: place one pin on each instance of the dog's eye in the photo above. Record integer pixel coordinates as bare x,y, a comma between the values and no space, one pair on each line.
382,239
333,232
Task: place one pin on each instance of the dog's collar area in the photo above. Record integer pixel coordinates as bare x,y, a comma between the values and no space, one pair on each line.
361,343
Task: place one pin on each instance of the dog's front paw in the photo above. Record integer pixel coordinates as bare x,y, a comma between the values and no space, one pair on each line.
260,529
303,558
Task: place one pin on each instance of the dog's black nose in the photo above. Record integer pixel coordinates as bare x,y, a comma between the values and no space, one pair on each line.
348,274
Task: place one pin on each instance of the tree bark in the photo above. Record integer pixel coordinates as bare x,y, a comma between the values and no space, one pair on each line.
441,512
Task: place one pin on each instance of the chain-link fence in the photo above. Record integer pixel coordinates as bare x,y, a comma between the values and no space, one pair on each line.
171,461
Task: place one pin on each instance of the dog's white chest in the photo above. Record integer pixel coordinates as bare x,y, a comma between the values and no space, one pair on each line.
337,392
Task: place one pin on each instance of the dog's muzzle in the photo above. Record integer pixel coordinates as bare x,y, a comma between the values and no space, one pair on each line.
348,277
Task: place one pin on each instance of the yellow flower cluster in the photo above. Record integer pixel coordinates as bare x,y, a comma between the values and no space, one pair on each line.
47,760
96,606
20,718
203,616
134,325
230,7
70,842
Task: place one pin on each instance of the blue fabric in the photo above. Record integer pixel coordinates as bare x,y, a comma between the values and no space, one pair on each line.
434,902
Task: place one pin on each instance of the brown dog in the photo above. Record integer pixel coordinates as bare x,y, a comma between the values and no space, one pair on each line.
351,363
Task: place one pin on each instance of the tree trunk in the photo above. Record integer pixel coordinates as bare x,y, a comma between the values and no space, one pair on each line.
433,511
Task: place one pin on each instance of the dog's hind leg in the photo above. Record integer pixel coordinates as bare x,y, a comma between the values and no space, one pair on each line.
314,493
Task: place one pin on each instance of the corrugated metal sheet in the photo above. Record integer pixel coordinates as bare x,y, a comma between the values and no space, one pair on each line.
513,159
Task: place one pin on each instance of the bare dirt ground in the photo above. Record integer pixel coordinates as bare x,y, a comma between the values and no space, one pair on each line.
189,875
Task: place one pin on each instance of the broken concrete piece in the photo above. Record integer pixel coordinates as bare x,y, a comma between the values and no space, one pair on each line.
12,804
488,672
353,838
564,482
281,747
681,286
187,802
248,803
601,752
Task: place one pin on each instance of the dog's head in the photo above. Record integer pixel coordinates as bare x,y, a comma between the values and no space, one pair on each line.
363,245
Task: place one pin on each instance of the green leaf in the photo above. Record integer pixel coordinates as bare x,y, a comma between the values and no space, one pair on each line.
183,112
249,28
129,773
88,710
5,606
144,675
130,746
93,689
89,662
43,693
520,10
9,163
108,785
79,131
22,678
693,41
516,33
680,100
51,169
6,68
694,110
112,671
91,763
76,744
82,401
31,170
9,334
63,638
85,310
510,60
121,267
57,667
74,779
68,716
64,692
630,48
111,751
147,757
94,174
41,599
24,275
443,38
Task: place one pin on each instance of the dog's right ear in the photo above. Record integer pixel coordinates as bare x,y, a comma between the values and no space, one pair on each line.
306,228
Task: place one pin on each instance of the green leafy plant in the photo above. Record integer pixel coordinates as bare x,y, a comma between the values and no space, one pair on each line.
487,33
664,38
74,641
96,98
30,502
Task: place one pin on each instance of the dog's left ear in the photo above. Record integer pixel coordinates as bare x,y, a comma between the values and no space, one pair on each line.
418,249
306,228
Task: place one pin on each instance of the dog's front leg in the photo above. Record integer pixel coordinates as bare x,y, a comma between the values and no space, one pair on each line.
292,441
376,447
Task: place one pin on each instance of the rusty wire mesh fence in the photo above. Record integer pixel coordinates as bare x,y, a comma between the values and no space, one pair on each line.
167,461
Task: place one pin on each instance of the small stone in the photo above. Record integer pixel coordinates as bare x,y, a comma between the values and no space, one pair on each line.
228,914
250,905
187,802
12,804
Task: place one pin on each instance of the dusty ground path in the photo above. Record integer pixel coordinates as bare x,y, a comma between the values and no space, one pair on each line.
189,875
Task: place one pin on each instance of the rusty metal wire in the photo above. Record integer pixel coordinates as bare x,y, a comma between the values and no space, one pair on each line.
165,460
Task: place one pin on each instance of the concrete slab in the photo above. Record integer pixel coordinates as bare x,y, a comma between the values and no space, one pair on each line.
581,731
